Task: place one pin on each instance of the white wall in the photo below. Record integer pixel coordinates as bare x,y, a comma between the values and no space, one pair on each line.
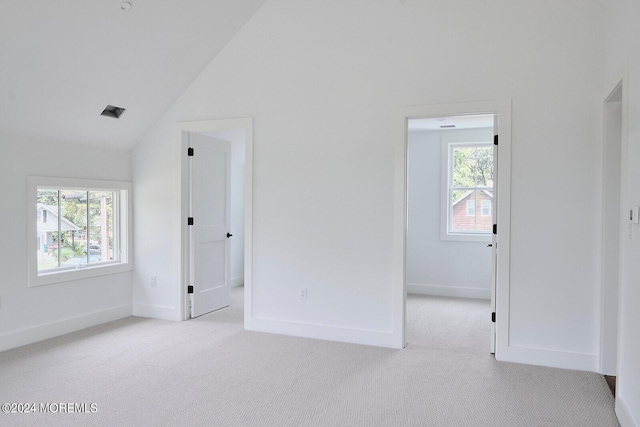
322,81
156,226
29,314
623,62
435,266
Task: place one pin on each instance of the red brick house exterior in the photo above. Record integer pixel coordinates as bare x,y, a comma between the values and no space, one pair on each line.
467,217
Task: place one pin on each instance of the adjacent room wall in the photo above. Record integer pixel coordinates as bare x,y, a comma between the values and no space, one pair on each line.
324,97
436,266
29,314
623,63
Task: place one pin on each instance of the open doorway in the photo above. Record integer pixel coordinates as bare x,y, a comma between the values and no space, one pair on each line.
216,215
450,215
501,242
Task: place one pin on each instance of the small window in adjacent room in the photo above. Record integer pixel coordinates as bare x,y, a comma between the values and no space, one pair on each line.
471,207
80,228
485,210
469,190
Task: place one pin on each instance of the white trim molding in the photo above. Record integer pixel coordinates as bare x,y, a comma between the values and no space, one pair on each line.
448,291
156,312
34,334
623,413
322,332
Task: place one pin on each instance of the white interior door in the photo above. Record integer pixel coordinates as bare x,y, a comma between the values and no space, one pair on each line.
210,188
494,239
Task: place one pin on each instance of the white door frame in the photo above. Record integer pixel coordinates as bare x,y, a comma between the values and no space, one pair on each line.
184,129
614,186
503,109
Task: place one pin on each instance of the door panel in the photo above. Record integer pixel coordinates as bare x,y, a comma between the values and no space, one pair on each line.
210,209
494,237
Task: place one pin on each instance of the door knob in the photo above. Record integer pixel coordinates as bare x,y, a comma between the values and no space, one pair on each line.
229,235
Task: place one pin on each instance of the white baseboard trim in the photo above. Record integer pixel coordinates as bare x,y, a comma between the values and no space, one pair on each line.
322,332
156,312
448,291
34,334
623,414
237,281
549,358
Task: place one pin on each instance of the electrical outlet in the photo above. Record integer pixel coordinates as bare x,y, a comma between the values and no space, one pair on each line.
153,280
303,293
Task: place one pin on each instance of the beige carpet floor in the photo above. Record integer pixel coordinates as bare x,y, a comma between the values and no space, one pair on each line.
458,324
210,372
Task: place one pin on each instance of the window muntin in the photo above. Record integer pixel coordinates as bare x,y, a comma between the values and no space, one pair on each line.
80,229
470,180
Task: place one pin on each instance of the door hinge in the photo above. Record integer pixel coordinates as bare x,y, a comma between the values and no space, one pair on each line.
495,228
190,289
190,151
495,139
190,221
493,317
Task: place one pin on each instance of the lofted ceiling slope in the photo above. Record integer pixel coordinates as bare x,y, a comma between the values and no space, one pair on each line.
63,62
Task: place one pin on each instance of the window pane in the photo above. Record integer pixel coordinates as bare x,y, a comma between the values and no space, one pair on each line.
73,205
472,166
484,166
100,226
69,241
464,167
468,212
462,220
47,229
484,220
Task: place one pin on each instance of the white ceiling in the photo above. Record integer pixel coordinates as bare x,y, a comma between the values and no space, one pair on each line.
62,62
460,122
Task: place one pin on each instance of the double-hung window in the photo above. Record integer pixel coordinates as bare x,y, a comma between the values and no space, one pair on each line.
77,229
468,203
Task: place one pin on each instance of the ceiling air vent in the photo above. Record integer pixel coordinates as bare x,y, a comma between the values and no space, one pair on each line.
112,111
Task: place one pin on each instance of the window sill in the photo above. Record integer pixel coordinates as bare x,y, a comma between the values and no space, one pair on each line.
79,274
461,237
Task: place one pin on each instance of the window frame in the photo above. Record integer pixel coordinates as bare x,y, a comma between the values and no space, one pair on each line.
447,143
122,227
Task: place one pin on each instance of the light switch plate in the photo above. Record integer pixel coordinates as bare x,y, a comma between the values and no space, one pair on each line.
634,215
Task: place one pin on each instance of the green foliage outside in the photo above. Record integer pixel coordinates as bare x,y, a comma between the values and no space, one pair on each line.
472,168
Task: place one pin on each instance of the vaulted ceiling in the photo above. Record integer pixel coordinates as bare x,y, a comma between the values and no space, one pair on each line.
62,62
